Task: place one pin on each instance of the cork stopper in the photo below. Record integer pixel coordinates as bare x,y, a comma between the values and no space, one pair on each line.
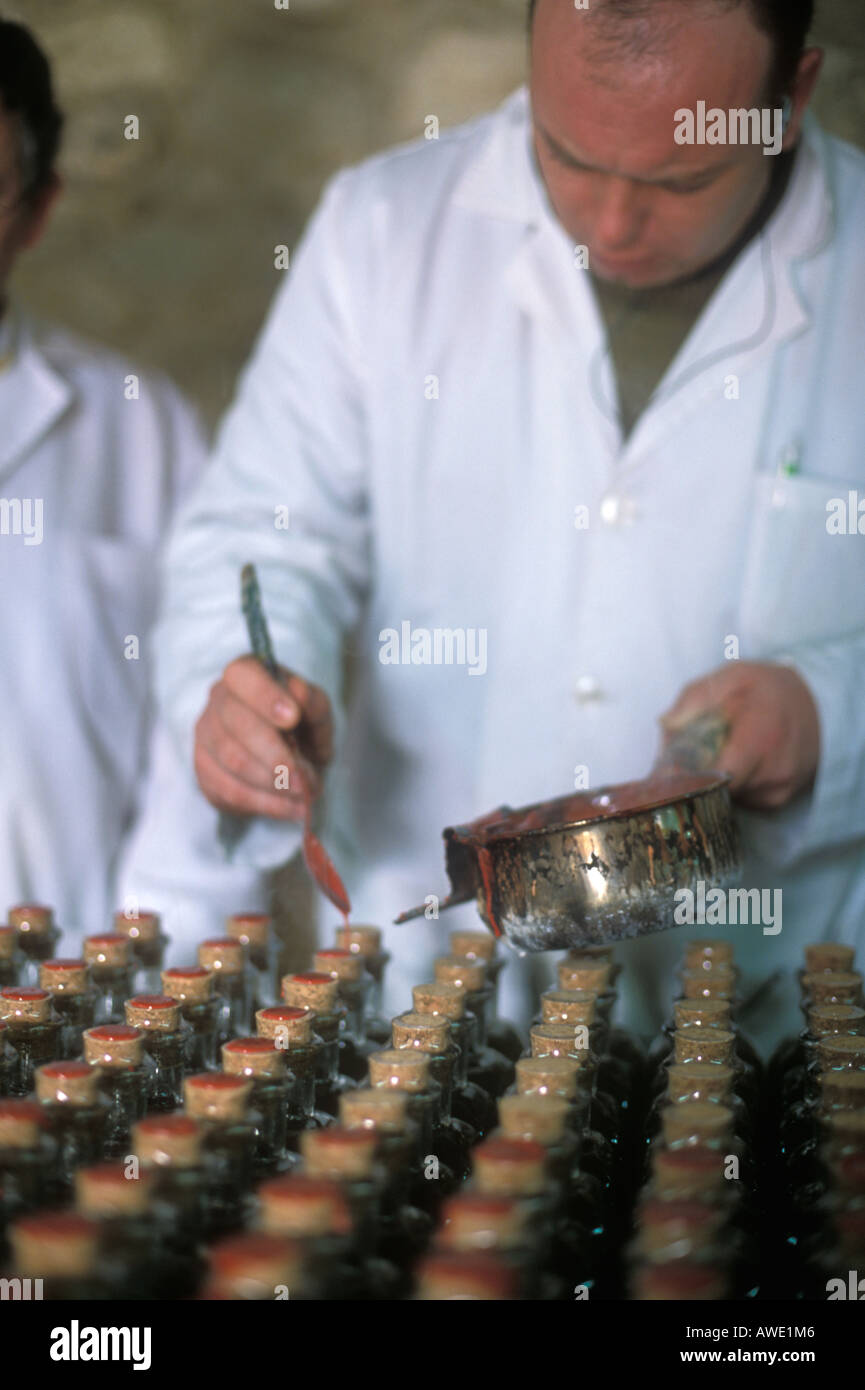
374,1108
360,940
461,970
697,1122
400,1069
110,950
470,1221
424,1032
659,1283
440,997
8,942
138,926
341,1155
704,1045
249,928
706,954
825,1020
560,1040
688,1173
167,1141
52,1245
473,945
702,1013
833,987
254,1266
67,1083
663,1224
21,1124
466,1277
285,1024
253,1057
212,1095
341,965
584,971
107,1190
303,1206
699,1081
222,955
574,1006
542,1118
24,1004
153,1013
719,983
313,990
64,976
829,956
188,985
844,1090
509,1167
841,1050
554,1076
113,1045
31,918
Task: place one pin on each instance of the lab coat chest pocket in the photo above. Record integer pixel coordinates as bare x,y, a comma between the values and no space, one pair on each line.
803,582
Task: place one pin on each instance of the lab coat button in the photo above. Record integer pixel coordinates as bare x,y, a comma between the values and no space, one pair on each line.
587,688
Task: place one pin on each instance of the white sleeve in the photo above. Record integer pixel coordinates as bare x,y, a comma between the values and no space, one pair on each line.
285,490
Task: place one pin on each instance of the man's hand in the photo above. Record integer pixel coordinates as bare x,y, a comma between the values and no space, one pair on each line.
239,747
773,749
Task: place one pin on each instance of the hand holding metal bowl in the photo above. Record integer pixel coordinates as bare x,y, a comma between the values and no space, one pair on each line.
601,866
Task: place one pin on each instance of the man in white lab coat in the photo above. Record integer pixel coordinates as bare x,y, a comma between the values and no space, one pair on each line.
453,402
94,457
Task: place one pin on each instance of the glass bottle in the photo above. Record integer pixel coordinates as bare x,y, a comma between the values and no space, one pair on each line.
481,946
453,1139
821,1021
403,1228
224,959
128,1252
472,1224
594,969
702,1081
76,1114
254,931
158,1018
464,1276
125,1077
73,1000
192,987
349,1157
256,1267
469,1101
408,1070
352,988
714,1046
562,1076
319,992
37,937
28,1158
61,1250
803,1123
720,983
143,930
827,956
291,1031
33,1030
222,1106
702,1124
682,1280
170,1151
11,959
576,1008
366,941
486,1068
8,1062
110,960
687,1013
261,1062
315,1213
832,987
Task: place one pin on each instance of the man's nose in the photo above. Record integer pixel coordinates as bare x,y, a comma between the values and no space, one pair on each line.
619,215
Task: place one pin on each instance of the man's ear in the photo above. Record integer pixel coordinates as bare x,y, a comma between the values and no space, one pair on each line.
39,211
801,92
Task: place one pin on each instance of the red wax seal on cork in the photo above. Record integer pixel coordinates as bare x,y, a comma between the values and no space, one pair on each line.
168,1141
24,1004
223,955
32,917
54,1245
8,942
311,990
510,1167
21,1124
254,1266
339,964
212,1095
107,1189
463,1276
109,949
253,1057
286,1024
67,1083
250,928
189,985
138,926
681,1280
64,976
157,1012
113,1045
303,1206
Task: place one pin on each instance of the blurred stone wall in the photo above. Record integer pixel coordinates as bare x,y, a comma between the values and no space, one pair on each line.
164,246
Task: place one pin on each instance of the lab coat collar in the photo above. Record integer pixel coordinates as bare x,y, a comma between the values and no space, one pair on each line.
33,394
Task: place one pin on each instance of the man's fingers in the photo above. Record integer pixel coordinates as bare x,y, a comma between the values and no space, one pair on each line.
263,743
229,793
247,679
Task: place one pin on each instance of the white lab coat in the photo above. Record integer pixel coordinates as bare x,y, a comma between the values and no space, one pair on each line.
432,400
76,734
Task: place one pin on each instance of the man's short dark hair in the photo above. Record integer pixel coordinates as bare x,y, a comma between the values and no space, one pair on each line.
27,94
787,22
